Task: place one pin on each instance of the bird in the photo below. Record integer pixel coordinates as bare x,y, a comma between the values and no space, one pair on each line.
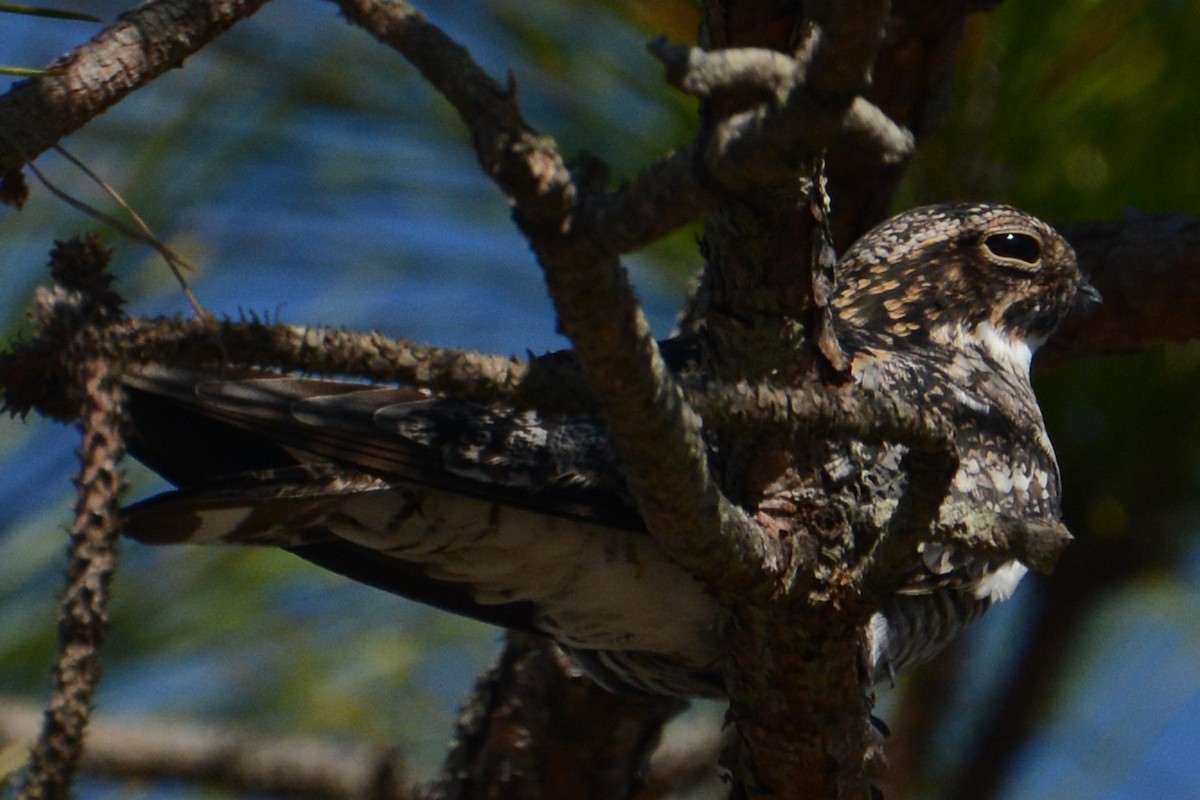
524,520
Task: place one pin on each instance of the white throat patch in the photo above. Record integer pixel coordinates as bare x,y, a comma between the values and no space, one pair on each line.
1009,351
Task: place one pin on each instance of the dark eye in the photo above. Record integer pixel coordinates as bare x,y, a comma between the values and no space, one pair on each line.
1016,248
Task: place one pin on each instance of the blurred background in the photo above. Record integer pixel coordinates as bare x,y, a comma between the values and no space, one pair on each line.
312,177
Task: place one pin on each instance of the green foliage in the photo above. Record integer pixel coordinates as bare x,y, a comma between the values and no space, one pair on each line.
1074,110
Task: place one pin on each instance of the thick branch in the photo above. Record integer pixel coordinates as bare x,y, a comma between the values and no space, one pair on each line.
911,83
844,55
134,50
225,758
534,694
761,301
762,296
1147,267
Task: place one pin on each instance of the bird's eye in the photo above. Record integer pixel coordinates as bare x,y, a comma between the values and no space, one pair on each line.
1014,249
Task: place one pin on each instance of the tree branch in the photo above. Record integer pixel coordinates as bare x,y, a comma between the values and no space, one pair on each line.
31,376
1147,267
852,413
81,306
134,50
551,384
525,165
590,744
845,51
777,80
225,758
574,229
649,423
798,695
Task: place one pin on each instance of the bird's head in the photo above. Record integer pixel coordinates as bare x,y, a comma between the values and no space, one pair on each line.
962,275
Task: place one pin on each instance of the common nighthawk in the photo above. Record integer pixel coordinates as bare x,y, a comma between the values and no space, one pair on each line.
523,521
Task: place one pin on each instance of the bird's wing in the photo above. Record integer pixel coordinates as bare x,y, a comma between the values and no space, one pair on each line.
496,514
202,431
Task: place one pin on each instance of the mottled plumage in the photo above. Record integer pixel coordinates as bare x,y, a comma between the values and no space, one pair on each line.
947,304
524,521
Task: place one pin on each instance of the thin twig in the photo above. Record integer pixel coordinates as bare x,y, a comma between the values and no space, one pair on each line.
144,236
176,263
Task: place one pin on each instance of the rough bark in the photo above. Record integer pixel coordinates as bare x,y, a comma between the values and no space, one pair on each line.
535,728
126,55
79,308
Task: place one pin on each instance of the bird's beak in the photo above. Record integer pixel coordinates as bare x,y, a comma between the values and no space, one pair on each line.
1086,297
